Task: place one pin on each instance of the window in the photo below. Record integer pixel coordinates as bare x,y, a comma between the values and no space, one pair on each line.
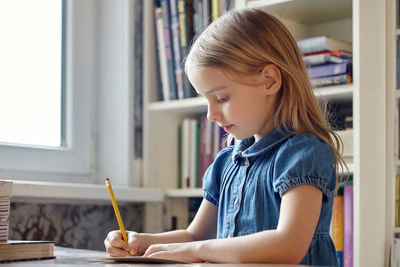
46,66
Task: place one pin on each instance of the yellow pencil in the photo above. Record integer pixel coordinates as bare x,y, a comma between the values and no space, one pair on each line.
114,203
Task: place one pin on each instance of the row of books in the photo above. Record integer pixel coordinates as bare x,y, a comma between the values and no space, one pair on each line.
199,142
328,60
5,196
176,24
342,225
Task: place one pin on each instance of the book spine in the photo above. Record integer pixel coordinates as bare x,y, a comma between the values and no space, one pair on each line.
193,153
348,225
169,49
215,12
397,189
162,53
312,45
332,80
337,227
205,147
185,153
316,60
176,44
206,13
329,69
396,126
398,63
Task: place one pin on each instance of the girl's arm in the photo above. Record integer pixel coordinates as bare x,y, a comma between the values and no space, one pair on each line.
299,214
203,226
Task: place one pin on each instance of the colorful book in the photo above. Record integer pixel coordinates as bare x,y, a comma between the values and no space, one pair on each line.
397,196
339,53
26,250
337,227
166,14
162,54
205,146
348,225
325,57
185,153
176,44
329,69
323,43
331,80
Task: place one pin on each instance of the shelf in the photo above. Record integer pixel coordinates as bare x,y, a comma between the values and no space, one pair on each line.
307,11
188,105
78,193
179,193
196,105
337,92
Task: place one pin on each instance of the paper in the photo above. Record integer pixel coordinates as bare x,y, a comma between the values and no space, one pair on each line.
140,259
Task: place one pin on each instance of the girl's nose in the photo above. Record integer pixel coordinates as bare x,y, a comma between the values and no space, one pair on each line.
212,113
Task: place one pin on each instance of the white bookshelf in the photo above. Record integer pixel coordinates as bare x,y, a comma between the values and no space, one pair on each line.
393,100
346,19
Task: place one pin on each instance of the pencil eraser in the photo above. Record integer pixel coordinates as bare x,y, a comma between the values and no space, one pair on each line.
107,179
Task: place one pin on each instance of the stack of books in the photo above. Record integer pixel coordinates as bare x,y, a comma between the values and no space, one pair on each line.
5,195
328,60
199,142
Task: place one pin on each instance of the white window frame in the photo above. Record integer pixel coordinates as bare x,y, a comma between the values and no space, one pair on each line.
72,160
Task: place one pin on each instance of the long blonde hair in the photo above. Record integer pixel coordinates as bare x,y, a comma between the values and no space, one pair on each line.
242,42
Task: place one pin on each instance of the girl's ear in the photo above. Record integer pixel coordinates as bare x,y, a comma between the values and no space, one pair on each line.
272,79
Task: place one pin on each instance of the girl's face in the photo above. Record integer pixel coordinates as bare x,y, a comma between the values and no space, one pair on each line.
242,109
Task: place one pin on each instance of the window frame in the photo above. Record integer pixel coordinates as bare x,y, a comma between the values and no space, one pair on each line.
72,159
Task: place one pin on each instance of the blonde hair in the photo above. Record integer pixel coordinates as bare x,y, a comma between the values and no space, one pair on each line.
243,42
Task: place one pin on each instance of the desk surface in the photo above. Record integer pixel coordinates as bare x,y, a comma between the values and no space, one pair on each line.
81,257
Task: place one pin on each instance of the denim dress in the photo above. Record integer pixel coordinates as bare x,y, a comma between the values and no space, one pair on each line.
246,182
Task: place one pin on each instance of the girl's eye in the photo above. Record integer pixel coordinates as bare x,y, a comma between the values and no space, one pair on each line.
222,99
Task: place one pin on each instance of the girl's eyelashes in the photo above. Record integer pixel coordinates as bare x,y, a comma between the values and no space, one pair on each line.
222,99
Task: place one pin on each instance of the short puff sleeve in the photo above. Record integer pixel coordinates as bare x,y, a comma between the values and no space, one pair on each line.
304,160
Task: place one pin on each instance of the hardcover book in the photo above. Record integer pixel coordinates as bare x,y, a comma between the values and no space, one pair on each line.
14,250
348,225
323,43
330,69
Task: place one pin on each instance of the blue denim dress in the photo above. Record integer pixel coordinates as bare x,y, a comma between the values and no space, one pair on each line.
246,183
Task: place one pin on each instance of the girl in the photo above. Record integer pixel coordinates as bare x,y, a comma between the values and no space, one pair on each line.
269,197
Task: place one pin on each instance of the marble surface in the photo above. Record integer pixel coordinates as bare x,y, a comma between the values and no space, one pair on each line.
77,226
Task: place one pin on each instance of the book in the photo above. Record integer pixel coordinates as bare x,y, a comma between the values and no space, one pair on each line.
162,53
166,14
185,152
331,80
205,146
348,225
5,196
323,43
329,69
395,252
397,199
19,250
337,226
176,44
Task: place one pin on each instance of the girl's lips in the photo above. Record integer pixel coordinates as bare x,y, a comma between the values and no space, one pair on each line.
227,128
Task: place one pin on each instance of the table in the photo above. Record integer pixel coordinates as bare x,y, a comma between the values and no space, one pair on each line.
81,257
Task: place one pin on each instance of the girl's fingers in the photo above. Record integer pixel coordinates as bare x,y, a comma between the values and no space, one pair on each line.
115,251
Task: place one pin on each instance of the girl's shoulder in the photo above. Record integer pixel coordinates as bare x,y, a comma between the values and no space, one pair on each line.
307,144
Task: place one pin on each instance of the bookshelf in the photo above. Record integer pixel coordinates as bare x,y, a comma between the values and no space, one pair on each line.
393,100
345,19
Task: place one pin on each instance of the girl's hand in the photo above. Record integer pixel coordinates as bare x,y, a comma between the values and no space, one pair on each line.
185,252
116,246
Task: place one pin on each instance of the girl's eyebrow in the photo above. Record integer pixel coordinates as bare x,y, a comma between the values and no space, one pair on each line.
212,90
